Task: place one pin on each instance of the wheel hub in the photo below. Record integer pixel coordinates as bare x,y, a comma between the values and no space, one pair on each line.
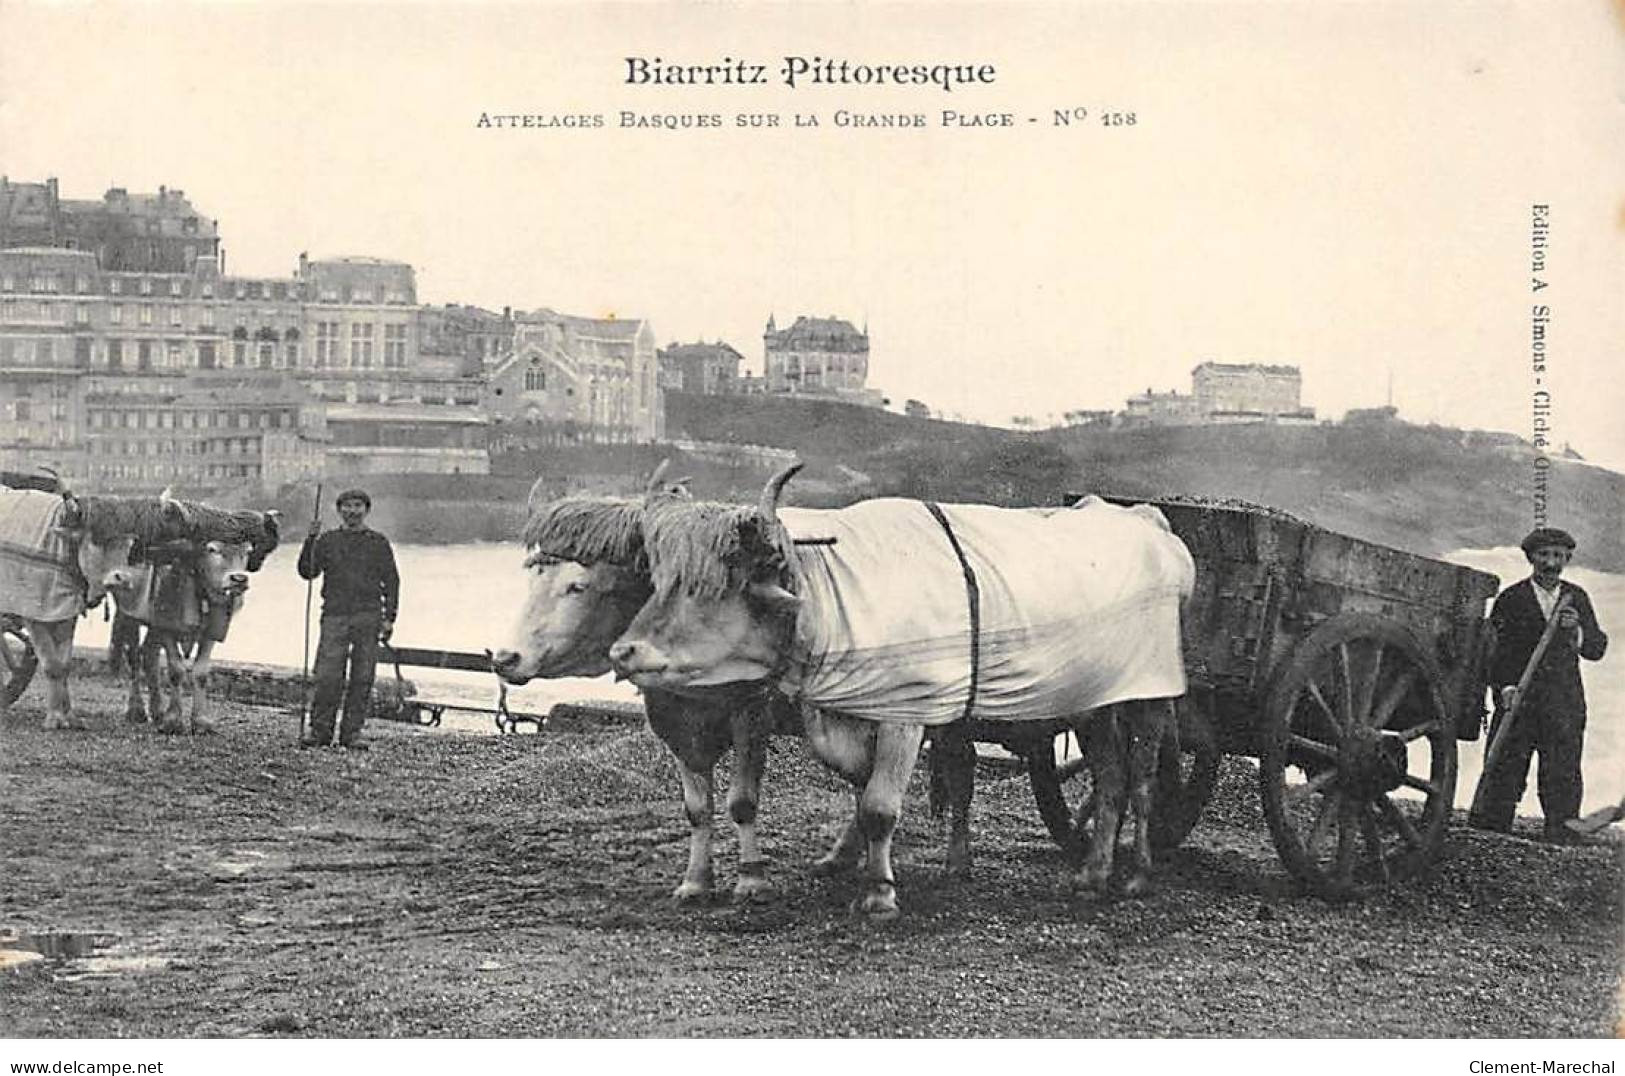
1371,763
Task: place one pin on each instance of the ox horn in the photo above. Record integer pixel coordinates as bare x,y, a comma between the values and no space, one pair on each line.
654,480
769,504
530,498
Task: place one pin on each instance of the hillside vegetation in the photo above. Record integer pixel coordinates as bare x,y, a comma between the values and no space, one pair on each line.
1419,488
1425,489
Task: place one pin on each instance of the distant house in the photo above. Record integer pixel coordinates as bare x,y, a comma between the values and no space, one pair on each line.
827,357
1370,416
1223,392
708,369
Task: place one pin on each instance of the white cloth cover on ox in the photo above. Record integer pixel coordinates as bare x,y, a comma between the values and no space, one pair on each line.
1079,608
39,571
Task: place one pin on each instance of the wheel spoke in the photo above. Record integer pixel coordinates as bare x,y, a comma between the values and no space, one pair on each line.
1373,841
1324,812
1320,781
1314,747
1418,783
1368,687
1314,693
1346,697
1344,869
1392,698
5,654
1391,811
1416,732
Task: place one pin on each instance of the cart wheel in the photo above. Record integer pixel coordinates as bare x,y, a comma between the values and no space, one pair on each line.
1186,774
17,659
1359,758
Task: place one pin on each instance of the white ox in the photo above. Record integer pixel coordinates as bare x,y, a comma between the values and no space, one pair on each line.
1076,617
59,555
587,580
185,593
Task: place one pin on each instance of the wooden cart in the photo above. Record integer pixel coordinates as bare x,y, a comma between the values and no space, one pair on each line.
1347,669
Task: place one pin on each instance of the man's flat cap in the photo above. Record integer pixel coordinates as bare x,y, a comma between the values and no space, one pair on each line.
361,495
1543,536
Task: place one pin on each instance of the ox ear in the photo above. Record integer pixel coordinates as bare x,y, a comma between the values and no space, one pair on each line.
773,598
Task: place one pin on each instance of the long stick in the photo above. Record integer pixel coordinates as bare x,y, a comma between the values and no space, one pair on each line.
304,673
1503,732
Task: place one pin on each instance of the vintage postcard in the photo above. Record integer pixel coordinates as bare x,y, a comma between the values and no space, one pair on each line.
405,302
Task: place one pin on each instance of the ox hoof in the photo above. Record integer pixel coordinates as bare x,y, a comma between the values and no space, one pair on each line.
753,891
136,716
172,728
201,727
692,892
878,904
959,866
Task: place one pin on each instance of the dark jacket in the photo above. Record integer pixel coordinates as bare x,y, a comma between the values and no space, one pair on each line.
1519,623
357,569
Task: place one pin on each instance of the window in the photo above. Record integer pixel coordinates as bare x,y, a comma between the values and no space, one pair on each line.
24,411
81,285
535,380
205,355
175,288
361,344
239,353
81,352
8,282
172,355
327,343
81,314
267,353
175,315
115,354
45,351
115,286
146,314
115,314
395,346
205,318
290,355
146,285
208,291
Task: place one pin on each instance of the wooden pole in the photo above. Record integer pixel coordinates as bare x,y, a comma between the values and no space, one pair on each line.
304,673
1498,742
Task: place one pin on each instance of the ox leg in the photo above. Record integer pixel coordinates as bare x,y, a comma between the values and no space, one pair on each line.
124,656
53,641
847,747
684,732
698,801
199,684
1151,722
953,757
1101,733
749,726
152,671
174,719
897,748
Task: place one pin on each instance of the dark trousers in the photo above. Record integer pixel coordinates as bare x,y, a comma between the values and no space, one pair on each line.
347,638
1556,735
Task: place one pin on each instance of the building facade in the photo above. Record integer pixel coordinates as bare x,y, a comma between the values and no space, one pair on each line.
1225,393
825,357
573,380
160,232
708,369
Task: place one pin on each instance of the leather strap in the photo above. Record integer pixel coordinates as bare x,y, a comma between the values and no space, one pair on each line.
973,595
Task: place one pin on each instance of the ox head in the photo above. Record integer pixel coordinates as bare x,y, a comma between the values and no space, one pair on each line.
721,612
109,533
222,570
586,577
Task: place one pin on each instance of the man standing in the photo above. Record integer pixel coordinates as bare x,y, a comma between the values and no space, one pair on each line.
1551,721
360,592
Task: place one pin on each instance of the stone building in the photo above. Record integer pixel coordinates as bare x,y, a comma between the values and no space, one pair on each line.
708,369
825,357
1225,393
575,380
202,431
1248,392
160,232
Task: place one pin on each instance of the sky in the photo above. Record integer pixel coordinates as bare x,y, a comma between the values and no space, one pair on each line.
1343,187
